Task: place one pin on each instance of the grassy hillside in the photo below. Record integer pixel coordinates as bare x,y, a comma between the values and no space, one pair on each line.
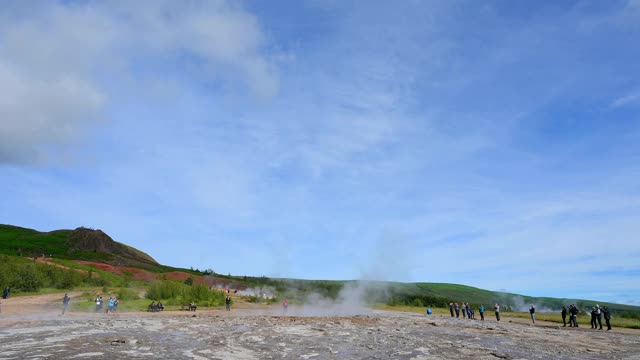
423,294
515,302
19,241
93,245
78,244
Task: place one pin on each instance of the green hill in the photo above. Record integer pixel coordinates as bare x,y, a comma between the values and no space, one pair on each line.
95,245
79,244
510,301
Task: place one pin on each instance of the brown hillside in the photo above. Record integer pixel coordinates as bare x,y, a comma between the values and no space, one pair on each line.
96,241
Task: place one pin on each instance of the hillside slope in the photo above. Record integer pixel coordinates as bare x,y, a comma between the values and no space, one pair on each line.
86,246
79,244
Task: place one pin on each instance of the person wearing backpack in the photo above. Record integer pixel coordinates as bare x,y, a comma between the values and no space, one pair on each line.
574,315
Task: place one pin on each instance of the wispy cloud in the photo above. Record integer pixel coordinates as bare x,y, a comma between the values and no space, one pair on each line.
626,100
473,144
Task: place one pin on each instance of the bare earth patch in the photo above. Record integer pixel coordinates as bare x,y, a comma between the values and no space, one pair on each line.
264,334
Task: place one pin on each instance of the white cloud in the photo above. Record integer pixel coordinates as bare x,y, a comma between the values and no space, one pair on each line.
58,62
627,100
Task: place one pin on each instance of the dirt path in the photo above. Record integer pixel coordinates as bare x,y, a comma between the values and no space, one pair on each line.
33,304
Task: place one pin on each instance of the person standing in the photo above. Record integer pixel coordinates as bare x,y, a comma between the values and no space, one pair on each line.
571,315
468,308
599,315
285,305
497,310
99,304
227,302
6,292
532,311
451,309
110,306
564,315
607,317
463,310
593,318
457,308
481,310
65,303
429,311
574,315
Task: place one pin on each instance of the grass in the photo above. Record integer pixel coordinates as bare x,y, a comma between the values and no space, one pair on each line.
19,241
84,305
408,308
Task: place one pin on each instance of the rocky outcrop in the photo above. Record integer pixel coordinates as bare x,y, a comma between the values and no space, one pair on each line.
89,240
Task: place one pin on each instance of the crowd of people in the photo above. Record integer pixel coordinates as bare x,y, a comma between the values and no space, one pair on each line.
597,313
465,309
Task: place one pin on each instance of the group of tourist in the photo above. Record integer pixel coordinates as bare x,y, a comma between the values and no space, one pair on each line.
466,310
156,306
112,305
597,314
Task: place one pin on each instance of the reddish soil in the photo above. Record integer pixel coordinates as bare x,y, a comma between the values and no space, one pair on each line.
144,275
147,276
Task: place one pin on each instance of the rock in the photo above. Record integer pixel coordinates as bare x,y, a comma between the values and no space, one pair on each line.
500,356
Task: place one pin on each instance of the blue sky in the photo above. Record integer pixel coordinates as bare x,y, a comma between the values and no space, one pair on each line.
493,144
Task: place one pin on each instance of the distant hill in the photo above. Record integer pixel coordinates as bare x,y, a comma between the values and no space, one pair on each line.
435,294
79,244
88,245
509,301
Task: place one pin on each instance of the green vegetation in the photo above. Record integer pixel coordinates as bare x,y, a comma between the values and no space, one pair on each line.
19,241
177,293
24,275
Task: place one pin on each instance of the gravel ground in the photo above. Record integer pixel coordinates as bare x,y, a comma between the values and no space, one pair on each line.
251,334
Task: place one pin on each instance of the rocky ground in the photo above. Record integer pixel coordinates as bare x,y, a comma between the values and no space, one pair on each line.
257,334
